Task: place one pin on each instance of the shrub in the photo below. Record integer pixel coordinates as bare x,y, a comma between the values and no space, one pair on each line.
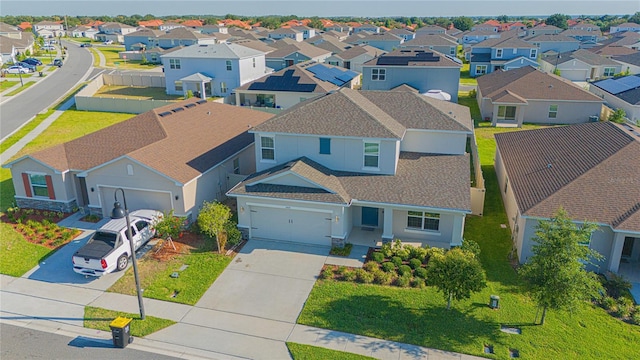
609,303
415,263
635,317
389,266
349,275
327,273
421,273
377,257
396,260
341,270
169,226
234,236
418,283
431,252
403,254
371,266
341,250
386,250
616,285
471,246
417,252
364,276
382,278
404,270
625,307
472,93
403,281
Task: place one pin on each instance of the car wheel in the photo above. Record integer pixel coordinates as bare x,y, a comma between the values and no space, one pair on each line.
123,261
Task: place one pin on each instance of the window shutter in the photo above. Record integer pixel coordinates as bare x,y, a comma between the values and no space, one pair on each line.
27,184
52,195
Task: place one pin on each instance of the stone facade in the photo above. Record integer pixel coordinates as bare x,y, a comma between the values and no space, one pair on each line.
42,204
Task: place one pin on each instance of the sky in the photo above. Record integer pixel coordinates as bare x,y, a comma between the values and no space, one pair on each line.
321,8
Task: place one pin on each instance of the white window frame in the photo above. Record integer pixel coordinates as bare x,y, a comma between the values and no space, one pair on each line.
427,220
553,111
452,51
174,64
33,185
378,74
365,155
483,71
504,116
236,165
223,87
178,85
272,148
608,71
533,53
499,53
229,65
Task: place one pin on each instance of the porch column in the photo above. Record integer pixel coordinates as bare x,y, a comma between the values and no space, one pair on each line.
616,252
387,227
457,230
204,90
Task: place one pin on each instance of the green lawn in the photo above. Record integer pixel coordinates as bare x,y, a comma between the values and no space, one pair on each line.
112,57
6,84
465,77
419,316
99,319
308,352
26,85
135,92
472,104
16,255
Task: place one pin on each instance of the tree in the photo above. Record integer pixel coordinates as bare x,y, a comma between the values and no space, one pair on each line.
635,18
617,116
503,18
212,220
463,23
456,274
556,271
558,20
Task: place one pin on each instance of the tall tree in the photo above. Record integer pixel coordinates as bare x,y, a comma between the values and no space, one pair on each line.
212,219
456,274
463,23
558,20
635,18
556,271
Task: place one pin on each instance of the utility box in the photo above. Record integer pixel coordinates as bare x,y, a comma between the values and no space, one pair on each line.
494,302
120,332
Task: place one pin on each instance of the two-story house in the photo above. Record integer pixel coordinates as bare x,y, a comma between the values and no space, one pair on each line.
474,37
328,42
114,31
430,30
440,43
145,38
360,167
292,54
48,29
370,28
286,33
494,54
489,25
383,41
556,43
354,57
182,37
543,29
628,26
307,32
587,38
405,34
423,70
211,70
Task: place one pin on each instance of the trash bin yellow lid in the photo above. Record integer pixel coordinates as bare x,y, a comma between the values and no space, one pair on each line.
120,322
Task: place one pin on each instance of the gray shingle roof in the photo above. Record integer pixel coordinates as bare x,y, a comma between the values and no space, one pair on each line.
430,40
591,170
633,59
301,47
502,42
585,56
216,51
359,50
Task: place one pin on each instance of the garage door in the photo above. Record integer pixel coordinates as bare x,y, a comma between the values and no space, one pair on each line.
291,225
574,75
136,199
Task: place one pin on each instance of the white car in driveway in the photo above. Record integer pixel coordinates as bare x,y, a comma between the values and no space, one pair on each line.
48,47
109,249
108,42
17,69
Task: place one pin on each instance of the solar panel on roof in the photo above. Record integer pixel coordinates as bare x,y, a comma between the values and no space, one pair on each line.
612,86
631,81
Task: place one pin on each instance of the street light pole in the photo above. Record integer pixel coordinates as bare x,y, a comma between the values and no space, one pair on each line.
118,213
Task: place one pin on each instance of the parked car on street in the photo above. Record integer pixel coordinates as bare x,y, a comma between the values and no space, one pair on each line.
48,47
17,69
86,45
32,61
108,42
109,248
31,67
57,62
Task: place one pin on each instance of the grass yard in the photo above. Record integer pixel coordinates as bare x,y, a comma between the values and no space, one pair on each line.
308,352
111,54
465,77
419,316
472,104
135,92
99,319
27,84
18,256
204,267
6,84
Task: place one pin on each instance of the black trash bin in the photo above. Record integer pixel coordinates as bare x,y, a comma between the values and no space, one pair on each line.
120,332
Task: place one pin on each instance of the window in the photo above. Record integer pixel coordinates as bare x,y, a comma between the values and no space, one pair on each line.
236,166
141,225
39,185
498,53
254,62
267,147
452,51
506,112
174,64
178,85
423,220
609,71
378,74
371,154
553,111
325,146
223,87
534,53
229,65
129,169
481,69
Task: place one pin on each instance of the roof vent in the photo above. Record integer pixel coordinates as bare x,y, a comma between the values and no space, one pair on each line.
166,113
177,109
203,101
189,106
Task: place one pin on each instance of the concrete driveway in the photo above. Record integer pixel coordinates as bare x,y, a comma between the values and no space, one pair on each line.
267,279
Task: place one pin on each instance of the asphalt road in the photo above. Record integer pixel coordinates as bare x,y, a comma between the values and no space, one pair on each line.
18,110
23,343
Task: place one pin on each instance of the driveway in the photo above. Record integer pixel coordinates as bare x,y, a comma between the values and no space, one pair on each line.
267,279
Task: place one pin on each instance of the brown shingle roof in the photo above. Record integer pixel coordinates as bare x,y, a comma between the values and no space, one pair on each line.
301,47
529,83
591,170
212,132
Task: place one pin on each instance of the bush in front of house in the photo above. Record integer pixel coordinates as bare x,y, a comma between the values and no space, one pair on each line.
377,256
403,281
371,266
364,276
349,275
396,260
327,273
389,266
635,317
382,278
421,273
418,283
415,263
404,270
625,307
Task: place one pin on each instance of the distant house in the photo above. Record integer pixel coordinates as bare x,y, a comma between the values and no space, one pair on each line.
495,54
612,50
114,31
587,38
440,43
474,37
383,41
489,26
295,53
288,33
150,162
580,65
527,95
627,39
620,93
370,28
13,43
590,171
628,26
211,70
556,43
83,31
353,58
182,37
421,69
406,35
543,29
170,26
430,30
307,32
341,28
294,84
629,62
214,29
48,29
144,38
328,42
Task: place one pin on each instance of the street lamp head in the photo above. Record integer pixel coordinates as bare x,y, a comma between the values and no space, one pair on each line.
118,212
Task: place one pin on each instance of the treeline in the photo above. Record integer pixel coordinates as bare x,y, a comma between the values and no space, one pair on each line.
463,23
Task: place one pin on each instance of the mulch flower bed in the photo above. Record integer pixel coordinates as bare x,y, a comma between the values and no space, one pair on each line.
184,244
40,226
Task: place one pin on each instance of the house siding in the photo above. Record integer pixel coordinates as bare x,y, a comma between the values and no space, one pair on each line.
450,229
64,200
421,78
569,112
434,142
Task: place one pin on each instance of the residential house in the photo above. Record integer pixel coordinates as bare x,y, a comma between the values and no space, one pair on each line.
149,160
517,25
627,39
183,37
587,38
292,54
10,31
360,167
82,31
114,31
154,55
620,93
354,57
170,26
495,54
288,33
589,170
474,37
338,35
543,29
294,84
383,41
14,42
453,32
48,29
440,43
214,29
154,23
370,28
338,27
254,44
556,43
307,32
406,35
144,38
527,95
328,42
489,26
630,63
420,69
430,30
612,50
580,65
628,26
193,24
211,70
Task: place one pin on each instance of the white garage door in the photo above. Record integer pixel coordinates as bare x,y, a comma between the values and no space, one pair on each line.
291,225
574,75
136,199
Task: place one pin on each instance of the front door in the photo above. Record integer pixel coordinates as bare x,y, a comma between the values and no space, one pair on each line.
369,216
627,248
